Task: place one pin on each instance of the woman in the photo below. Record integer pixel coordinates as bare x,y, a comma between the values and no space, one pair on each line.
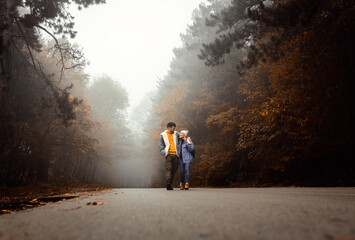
187,153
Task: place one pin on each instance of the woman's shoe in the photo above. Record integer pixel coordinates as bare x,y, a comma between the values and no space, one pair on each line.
187,186
182,186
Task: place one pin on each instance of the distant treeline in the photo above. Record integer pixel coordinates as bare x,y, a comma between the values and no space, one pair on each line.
266,89
54,125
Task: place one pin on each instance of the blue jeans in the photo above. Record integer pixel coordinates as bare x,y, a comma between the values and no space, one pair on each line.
184,171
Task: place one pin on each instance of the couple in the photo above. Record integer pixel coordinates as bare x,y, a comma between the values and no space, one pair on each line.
177,149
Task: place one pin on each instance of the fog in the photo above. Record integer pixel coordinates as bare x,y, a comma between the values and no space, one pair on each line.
261,87
133,42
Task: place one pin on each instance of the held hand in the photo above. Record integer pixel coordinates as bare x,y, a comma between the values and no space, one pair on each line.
188,139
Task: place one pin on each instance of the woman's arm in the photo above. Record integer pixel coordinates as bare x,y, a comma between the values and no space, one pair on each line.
190,146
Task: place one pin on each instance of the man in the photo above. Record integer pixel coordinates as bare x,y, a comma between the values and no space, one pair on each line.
169,147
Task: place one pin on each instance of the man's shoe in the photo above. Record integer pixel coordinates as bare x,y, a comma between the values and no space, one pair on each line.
187,186
168,187
182,186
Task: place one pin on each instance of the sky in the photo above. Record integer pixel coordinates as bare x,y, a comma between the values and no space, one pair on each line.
132,41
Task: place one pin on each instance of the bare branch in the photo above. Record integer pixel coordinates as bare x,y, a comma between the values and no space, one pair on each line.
58,47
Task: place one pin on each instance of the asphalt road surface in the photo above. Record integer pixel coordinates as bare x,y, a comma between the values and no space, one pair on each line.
238,213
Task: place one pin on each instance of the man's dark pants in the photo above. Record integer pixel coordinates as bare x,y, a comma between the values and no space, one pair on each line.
171,165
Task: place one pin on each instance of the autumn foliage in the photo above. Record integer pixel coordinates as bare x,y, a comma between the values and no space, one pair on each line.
271,103
265,89
55,126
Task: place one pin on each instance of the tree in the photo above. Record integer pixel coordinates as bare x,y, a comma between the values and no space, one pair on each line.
296,87
42,147
109,101
21,25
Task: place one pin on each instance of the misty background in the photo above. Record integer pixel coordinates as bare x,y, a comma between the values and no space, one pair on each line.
136,40
264,87
144,34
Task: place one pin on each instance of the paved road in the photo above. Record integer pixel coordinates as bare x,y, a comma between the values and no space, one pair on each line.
246,213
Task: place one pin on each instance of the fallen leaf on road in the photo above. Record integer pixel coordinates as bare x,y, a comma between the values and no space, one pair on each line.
96,203
7,211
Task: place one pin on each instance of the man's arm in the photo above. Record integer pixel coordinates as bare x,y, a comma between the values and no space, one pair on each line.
161,145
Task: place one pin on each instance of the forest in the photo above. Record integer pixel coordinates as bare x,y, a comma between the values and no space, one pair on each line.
269,100
265,89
